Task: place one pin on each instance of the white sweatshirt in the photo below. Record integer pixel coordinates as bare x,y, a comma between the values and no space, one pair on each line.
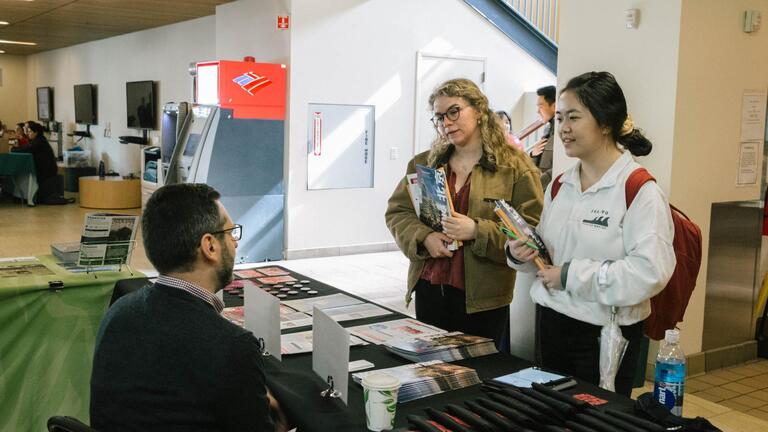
617,257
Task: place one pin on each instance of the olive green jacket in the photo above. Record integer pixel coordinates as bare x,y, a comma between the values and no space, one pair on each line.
488,281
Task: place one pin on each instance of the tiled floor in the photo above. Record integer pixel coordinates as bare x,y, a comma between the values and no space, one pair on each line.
733,399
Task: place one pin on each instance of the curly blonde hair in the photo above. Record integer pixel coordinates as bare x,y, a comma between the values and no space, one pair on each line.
494,141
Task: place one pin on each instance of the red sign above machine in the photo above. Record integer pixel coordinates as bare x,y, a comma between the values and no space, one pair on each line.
251,90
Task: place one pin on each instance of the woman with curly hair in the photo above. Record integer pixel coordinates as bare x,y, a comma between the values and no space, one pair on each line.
468,289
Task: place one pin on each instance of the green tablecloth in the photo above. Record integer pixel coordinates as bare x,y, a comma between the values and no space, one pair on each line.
46,344
12,164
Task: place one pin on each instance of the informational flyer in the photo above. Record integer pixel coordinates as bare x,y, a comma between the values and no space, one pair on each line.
753,105
323,302
748,159
107,239
23,266
301,342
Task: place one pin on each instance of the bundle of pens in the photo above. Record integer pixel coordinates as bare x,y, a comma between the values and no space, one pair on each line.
539,408
517,228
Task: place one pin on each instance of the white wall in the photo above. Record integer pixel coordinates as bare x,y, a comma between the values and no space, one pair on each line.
364,52
161,54
13,90
644,62
717,63
249,28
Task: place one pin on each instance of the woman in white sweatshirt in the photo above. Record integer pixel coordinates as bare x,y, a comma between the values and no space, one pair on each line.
604,254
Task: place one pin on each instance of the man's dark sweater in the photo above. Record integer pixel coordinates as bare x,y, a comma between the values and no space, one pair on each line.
165,360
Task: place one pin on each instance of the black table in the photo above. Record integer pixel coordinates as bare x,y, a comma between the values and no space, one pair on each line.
296,386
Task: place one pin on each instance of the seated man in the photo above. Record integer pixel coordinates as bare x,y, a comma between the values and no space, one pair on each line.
165,359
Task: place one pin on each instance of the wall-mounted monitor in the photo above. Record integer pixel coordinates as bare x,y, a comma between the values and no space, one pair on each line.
85,104
45,103
141,104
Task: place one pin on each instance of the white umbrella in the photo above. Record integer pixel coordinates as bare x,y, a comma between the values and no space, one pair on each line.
612,348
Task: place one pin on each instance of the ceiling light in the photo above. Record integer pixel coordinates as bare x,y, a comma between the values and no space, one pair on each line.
2,52
4,23
16,42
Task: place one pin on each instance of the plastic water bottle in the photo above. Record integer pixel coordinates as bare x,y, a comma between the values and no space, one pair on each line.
102,170
669,383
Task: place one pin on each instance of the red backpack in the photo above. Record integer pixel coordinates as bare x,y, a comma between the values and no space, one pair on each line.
668,306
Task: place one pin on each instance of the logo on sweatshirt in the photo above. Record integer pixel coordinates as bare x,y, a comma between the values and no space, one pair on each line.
599,220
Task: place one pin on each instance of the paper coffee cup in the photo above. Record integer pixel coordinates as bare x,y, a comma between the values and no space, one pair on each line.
380,396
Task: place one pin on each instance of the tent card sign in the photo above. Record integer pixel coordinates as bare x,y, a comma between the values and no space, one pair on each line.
262,317
330,353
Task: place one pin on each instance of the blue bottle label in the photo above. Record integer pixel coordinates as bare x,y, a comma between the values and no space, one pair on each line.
669,386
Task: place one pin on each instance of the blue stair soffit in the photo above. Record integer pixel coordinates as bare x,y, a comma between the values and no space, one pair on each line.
517,28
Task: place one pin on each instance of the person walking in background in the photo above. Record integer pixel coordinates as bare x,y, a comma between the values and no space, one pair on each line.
469,289
604,254
506,124
542,150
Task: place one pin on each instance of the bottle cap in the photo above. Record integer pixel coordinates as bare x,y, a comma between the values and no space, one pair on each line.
672,336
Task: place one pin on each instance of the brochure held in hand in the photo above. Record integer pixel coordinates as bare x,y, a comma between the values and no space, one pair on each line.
434,199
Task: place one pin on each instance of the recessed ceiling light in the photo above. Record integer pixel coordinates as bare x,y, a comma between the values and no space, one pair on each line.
2,52
16,42
4,23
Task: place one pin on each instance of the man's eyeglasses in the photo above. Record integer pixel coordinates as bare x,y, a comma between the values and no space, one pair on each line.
236,232
453,114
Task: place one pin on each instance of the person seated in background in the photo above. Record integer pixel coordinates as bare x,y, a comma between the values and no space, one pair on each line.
42,153
19,137
165,359
542,150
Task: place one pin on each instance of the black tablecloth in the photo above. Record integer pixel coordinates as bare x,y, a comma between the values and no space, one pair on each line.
296,386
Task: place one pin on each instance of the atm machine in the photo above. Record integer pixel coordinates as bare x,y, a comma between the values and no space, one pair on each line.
233,141
172,124
155,160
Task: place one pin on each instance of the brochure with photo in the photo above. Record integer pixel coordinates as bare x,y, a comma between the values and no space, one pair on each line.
442,346
435,199
248,274
107,239
273,271
276,279
424,379
383,332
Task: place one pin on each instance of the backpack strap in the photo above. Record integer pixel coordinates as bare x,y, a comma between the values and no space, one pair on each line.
635,181
555,187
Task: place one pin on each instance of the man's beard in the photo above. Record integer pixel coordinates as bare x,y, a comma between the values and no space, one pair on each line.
224,272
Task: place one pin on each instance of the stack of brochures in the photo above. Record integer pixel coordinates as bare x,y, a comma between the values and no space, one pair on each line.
66,252
447,347
420,380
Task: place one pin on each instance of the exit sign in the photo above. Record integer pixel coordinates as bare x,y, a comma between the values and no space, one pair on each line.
282,22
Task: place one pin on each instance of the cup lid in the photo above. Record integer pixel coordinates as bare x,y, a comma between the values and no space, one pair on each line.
380,380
